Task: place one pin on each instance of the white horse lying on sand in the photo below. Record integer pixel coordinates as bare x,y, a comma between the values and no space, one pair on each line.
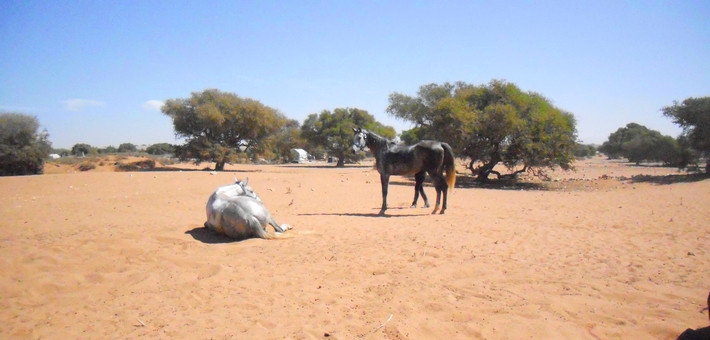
237,211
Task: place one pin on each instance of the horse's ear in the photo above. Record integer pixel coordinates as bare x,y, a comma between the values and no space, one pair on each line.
236,180
246,181
355,130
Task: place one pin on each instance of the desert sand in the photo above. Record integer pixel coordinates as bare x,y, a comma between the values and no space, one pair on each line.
598,254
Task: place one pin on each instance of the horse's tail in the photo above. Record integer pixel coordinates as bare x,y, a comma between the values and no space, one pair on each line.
272,235
449,166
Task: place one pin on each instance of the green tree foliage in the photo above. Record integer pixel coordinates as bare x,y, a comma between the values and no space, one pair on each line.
638,143
23,149
216,124
412,136
160,149
333,131
83,149
693,115
127,147
107,150
688,155
61,152
613,147
490,124
584,150
287,138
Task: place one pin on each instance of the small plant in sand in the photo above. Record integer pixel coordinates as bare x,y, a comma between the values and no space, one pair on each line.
87,165
142,165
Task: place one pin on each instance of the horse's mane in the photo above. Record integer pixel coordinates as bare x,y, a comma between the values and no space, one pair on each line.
377,139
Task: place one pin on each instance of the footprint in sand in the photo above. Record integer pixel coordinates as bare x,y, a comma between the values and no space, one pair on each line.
208,271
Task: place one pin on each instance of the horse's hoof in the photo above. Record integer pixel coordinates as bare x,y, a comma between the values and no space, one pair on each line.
413,206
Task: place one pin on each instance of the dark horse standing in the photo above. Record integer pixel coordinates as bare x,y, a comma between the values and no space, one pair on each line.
427,156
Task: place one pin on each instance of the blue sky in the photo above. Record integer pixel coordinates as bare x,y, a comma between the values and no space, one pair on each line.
96,71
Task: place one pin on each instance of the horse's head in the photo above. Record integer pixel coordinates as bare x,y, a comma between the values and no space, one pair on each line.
360,139
246,189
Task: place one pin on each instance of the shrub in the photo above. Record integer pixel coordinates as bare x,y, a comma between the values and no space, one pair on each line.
127,147
142,165
83,149
107,150
22,149
584,150
86,166
160,149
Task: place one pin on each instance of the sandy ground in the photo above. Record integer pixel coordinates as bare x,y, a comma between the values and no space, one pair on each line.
101,254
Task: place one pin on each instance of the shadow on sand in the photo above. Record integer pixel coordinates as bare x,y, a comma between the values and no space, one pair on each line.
205,235
324,166
467,182
669,179
369,214
498,184
170,169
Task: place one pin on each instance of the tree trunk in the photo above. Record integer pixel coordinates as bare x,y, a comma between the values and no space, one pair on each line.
485,171
219,166
341,162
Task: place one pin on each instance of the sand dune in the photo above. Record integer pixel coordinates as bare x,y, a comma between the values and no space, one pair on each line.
104,254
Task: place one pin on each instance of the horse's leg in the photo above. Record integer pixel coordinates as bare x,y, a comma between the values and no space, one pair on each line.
416,191
419,188
438,198
256,228
443,187
440,185
384,180
279,228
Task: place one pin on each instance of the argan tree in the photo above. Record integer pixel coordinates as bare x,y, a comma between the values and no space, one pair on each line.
127,147
333,131
83,149
638,143
107,150
693,115
283,141
160,149
23,148
490,124
584,150
216,124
